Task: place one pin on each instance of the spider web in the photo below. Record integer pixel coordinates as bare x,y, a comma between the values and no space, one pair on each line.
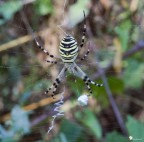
22,74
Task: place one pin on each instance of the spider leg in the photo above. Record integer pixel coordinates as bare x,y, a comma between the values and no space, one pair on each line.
83,38
85,56
52,62
57,81
79,73
88,86
44,50
84,32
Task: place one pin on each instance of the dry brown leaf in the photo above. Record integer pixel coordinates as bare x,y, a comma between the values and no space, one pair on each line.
125,3
134,5
51,44
117,64
106,3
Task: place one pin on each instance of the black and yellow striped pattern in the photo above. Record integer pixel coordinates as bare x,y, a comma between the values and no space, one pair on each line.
68,49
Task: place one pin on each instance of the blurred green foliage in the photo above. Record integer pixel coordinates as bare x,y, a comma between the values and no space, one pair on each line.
43,7
91,122
70,132
123,32
75,13
17,126
135,128
8,9
84,123
133,74
115,136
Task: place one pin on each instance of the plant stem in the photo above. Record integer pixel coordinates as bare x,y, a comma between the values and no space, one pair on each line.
109,93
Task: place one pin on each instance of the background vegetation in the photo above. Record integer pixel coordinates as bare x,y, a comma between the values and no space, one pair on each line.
115,112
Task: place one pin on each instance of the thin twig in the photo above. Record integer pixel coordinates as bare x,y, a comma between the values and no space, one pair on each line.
19,41
139,46
136,48
109,93
33,106
15,43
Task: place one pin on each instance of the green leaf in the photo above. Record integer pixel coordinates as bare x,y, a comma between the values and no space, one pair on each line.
115,137
63,138
25,96
20,121
135,128
135,34
8,9
18,125
123,32
44,7
70,131
116,84
75,13
133,74
90,120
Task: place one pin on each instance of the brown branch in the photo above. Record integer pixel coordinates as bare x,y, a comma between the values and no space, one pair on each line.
33,106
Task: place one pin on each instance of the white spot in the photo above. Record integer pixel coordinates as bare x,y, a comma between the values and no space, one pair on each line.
45,51
37,43
99,84
83,100
130,137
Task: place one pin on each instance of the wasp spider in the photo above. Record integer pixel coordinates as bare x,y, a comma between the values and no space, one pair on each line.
68,50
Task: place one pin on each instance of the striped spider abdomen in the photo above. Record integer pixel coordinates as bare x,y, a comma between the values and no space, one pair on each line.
68,49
